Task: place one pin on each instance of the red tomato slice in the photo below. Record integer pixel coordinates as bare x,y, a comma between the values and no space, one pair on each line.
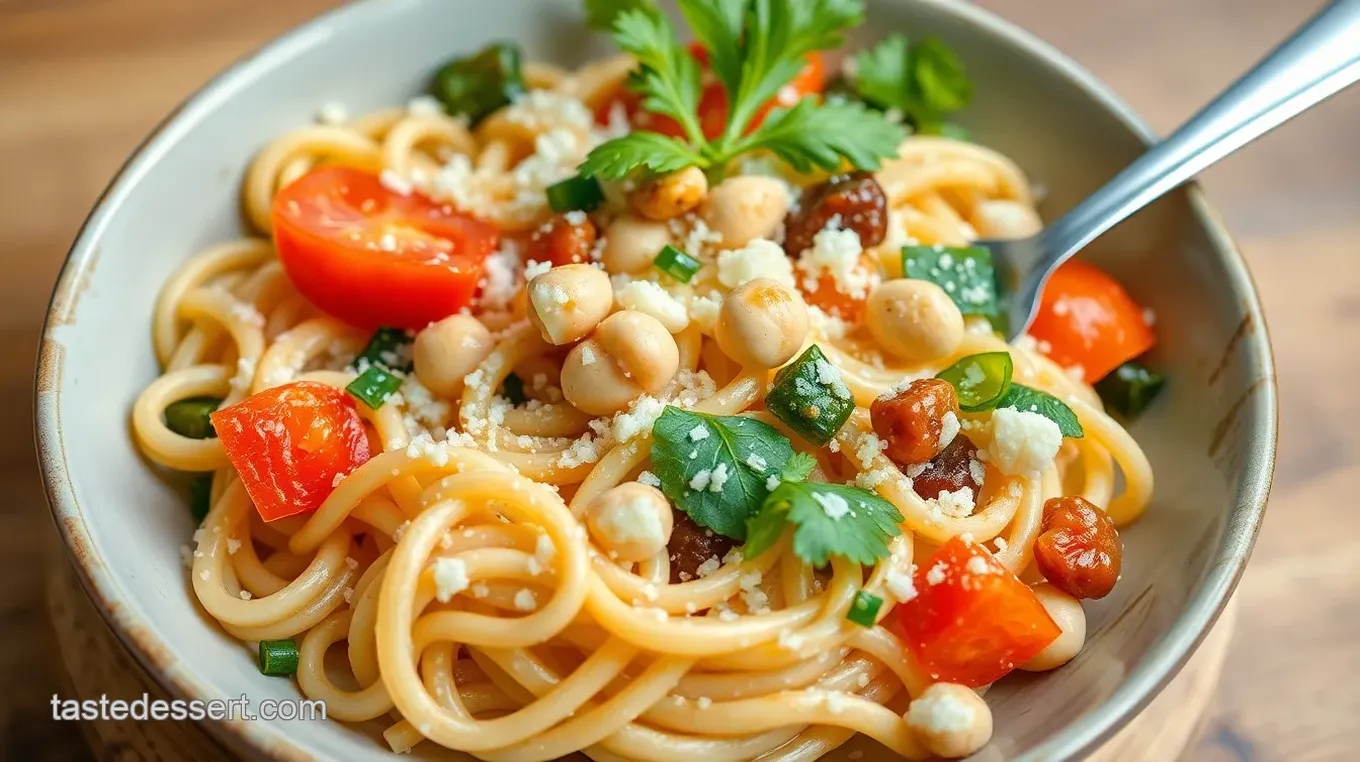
373,257
290,443
1090,321
976,621
712,109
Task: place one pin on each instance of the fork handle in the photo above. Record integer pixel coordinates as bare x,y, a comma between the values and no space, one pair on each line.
1322,58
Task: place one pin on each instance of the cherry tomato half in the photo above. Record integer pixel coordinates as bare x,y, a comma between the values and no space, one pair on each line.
972,621
290,443
1090,321
373,257
712,108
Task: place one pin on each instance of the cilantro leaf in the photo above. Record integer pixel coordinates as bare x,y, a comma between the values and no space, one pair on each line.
965,273
715,468
828,519
1029,400
717,25
754,48
780,35
825,135
926,82
798,467
616,159
882,73
667,76
601,14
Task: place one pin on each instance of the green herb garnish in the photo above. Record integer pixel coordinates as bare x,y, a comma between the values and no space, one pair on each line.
1130,389
676,263
925,82
754,48
980,380
278,657
189,417
374,387
601,14
828,520
583,193
809,396
864,610
1028,400
964,272
717,469
389,348
480,84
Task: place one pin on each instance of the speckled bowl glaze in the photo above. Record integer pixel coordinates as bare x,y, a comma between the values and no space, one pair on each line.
1211,438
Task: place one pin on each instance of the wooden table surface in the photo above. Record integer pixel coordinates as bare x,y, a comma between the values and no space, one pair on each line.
81,81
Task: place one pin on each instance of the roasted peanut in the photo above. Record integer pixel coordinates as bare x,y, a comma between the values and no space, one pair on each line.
1078,550
918,421
691,546
672,194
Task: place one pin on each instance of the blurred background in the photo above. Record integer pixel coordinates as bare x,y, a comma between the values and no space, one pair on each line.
82,81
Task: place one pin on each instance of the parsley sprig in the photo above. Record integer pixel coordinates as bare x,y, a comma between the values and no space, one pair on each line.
925,82
755,47
742,479
827,519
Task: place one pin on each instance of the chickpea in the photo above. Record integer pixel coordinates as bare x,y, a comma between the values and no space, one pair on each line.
445,352
950,720
745,207
642,347
672,195
1067,612
1006,220
631,354
568,302
762,324
632,243
914,320
631,522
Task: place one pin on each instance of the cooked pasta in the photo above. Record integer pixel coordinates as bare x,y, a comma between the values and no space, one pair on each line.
502,569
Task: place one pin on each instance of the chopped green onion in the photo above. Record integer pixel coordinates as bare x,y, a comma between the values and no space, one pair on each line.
479,85
1130,389
864,610
388,348
189,418
573,193
964,272
981,380
676,263
374,386
200,496
278,657
809,396
513,389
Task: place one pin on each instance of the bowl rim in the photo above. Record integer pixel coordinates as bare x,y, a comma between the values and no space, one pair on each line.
1158,666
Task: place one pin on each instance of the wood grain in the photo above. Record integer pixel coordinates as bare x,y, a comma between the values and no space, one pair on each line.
81,81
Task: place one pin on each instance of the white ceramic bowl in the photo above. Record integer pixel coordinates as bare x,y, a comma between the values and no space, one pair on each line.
1211,438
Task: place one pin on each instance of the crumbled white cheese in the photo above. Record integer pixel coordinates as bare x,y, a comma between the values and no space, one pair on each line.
650,479
761,258
941,712
936,574
698,433
833,505
719,478
977,565
837,253
424,105
1023,443
649,298
638,419
524,600
708,567
533,269
633,520
957,504
900,586
949,428
332,112
450,578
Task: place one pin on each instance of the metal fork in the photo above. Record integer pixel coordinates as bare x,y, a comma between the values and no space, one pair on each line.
1322,58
